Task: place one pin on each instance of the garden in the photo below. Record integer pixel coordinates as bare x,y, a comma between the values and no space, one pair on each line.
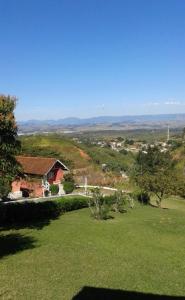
75,256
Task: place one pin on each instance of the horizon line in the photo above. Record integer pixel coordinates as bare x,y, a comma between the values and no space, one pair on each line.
102,116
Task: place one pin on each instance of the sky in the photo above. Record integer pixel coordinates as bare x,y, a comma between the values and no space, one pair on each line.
85,58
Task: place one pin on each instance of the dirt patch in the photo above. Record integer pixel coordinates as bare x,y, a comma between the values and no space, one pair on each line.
83,154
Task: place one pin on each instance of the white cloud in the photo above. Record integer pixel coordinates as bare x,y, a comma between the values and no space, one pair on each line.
172,102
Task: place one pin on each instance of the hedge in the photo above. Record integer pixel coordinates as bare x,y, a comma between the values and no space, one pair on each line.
22,212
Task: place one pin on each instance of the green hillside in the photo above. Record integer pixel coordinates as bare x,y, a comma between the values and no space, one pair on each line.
83,160
55,146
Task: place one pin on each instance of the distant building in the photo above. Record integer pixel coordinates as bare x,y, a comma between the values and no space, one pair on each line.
38,174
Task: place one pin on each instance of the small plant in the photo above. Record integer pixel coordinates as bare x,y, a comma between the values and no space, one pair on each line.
54,189
98,206
122,202
119,202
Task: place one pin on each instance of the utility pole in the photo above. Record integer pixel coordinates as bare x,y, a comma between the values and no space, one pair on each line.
168,133
85,185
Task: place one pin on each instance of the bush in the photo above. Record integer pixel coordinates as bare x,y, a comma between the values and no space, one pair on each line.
119,201
68,187
74,203
26,212
98,206
142,197
54,189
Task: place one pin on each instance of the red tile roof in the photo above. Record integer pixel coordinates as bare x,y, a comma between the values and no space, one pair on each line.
37,165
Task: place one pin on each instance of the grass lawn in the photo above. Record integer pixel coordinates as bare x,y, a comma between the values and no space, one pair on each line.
142,250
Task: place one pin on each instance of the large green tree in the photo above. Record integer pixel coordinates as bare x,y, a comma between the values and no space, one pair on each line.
155,173
9,145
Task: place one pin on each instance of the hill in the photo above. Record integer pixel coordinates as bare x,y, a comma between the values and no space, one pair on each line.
55,146
82,159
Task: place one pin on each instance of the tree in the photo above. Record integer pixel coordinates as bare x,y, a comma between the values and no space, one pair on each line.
9,145
155,173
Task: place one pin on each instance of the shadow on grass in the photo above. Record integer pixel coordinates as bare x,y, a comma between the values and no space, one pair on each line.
91,293
155,206
14,242
29,225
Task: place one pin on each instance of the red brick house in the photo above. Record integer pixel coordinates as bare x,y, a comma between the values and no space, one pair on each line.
38,174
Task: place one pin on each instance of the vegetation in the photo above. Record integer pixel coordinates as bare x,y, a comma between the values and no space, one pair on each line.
142,197
74,251
69,183
16,212
45,152
72,155
54,189
113,160
121,201
53,145
68,187
101,206
154,173
98,206
9,145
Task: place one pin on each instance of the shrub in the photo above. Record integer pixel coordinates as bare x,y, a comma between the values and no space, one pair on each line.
54,189
119,201
74,203
119,204
26,212
68,187
98,206
142,197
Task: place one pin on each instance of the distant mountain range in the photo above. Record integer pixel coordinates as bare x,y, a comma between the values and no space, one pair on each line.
106,120
142,121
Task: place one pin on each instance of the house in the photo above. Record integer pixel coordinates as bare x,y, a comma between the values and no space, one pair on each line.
38,174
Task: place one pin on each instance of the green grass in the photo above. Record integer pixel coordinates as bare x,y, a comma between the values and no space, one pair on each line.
142,250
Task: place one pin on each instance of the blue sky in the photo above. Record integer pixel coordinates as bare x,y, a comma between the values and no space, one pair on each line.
87,58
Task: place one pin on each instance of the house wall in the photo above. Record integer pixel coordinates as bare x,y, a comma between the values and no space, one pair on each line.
34,188
58,175
16,186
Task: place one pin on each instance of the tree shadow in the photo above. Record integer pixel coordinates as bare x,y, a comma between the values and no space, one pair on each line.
15,242
28,225
155,206
92,293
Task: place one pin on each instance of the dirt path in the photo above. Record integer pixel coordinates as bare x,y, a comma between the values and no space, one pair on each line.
83,154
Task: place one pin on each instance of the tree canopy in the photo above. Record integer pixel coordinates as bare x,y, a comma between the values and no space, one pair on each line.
9,145
155,173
